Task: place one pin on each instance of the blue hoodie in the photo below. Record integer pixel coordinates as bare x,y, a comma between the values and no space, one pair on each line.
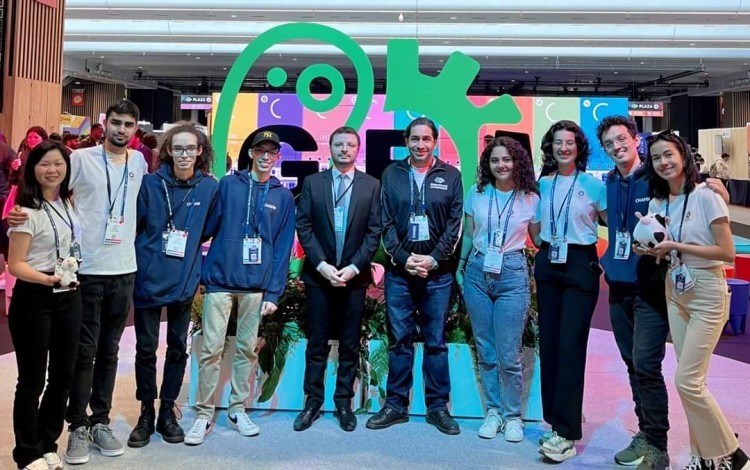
161,279
224,270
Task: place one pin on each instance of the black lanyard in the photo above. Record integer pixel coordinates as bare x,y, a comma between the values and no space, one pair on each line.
257,213
337,201
46,207
678,238
568,199
422,205
624,216
171,214
109,183
508,204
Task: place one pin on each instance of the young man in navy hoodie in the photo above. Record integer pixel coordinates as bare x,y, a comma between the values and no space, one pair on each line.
173,206
253,231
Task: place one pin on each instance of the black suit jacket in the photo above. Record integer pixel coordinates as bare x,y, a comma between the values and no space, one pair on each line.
316,232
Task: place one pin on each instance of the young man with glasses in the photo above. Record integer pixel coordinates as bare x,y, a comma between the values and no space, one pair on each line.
253,231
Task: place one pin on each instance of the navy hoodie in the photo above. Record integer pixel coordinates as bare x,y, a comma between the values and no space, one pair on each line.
161,279
637,272
224,270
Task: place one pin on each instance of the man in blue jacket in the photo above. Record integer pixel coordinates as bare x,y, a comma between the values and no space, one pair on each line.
253,231
173,206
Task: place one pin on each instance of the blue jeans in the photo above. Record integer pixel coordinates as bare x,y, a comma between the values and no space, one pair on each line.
404,295
497,306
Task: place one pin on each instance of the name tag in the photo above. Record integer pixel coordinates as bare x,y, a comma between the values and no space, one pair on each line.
176,243
558,252
75,251
251,250
113,231
338,219
493,261
681,279
622,245
419,228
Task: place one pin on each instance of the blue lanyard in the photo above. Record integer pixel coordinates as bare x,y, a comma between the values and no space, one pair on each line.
109,183
568,198
422,204
678,238
509,203
624,216
46,206
256,212
170,221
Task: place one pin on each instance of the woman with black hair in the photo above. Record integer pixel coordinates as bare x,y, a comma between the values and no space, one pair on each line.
499,211
567,278
43,321
699,243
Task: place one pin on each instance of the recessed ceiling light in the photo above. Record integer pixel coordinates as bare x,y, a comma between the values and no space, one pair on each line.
188,53
440,60
454,17
198,58
545,58
525,71
744,63
692,44
233,16
615,72
101,56
446,42
513,81
294,58
643,63
78,83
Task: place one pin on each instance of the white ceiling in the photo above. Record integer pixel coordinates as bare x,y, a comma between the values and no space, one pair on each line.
181,43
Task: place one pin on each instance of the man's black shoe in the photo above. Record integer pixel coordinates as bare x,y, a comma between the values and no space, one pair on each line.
442,420
167,424
141,434
347,420
385,418
306,418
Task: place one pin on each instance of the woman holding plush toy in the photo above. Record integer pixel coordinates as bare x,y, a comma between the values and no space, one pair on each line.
44,316
699,242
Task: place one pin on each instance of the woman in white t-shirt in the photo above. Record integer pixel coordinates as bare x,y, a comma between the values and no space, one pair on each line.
43,323
494,274
567,280
699,243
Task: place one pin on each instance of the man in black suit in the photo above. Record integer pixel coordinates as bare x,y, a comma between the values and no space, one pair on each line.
338,226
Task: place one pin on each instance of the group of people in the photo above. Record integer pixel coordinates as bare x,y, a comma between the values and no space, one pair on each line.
138,236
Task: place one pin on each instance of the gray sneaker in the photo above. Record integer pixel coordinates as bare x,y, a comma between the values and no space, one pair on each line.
78,446
105,441
633,454
654,459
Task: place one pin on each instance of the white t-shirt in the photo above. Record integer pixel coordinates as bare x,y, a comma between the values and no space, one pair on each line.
89,183
477,205
588,197
703,207
42,254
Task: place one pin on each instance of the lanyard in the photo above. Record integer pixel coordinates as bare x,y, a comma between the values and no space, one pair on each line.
678,238
422,205
109,183
256,213
337,201
46,206
509,203
568,199
170,222
624,216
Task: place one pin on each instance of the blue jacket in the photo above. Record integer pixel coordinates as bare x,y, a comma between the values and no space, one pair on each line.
224,270
161,279
625,197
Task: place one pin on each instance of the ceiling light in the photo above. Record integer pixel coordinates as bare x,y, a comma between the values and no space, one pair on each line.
446,42
233,16
454,18
525,71
615,72
198,58
643,63
101,56
225,68
401,17
692,44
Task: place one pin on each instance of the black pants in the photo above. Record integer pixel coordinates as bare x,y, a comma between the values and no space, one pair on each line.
640,326
147,322
566,297
42,324
332,313
105,306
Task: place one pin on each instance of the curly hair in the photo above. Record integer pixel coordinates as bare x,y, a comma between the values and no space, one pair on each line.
582,144
523,167
204,160
658,186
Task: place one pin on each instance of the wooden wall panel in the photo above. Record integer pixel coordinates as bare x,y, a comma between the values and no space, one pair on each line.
97,97
736,109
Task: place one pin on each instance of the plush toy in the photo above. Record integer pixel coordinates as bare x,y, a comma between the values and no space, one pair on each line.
67,272
650,230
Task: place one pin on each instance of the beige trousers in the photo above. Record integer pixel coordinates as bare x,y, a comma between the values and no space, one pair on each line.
696,320
216,310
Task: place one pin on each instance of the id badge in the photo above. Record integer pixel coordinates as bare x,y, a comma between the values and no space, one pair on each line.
682,280
251,250
497,239
622,245
60,272
75,251
558,252
113,231
338,219
419,228
176,243
493,261
164,239
674,259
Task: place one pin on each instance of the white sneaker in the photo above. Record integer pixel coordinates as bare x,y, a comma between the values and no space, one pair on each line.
240,421
491,425
546,436
197,433
513,430
558,449
38,464
53,461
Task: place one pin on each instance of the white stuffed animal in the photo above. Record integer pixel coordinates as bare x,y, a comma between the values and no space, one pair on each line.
67,272
650,230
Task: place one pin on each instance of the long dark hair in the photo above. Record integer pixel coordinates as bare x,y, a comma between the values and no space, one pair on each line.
29,191
422,121
582,144
204,160
658,186
523,167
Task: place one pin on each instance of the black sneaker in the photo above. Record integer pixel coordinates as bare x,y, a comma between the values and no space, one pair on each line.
167,424
140,436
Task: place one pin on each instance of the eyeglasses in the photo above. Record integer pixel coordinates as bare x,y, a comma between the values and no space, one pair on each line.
190,150
259,152
669,133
